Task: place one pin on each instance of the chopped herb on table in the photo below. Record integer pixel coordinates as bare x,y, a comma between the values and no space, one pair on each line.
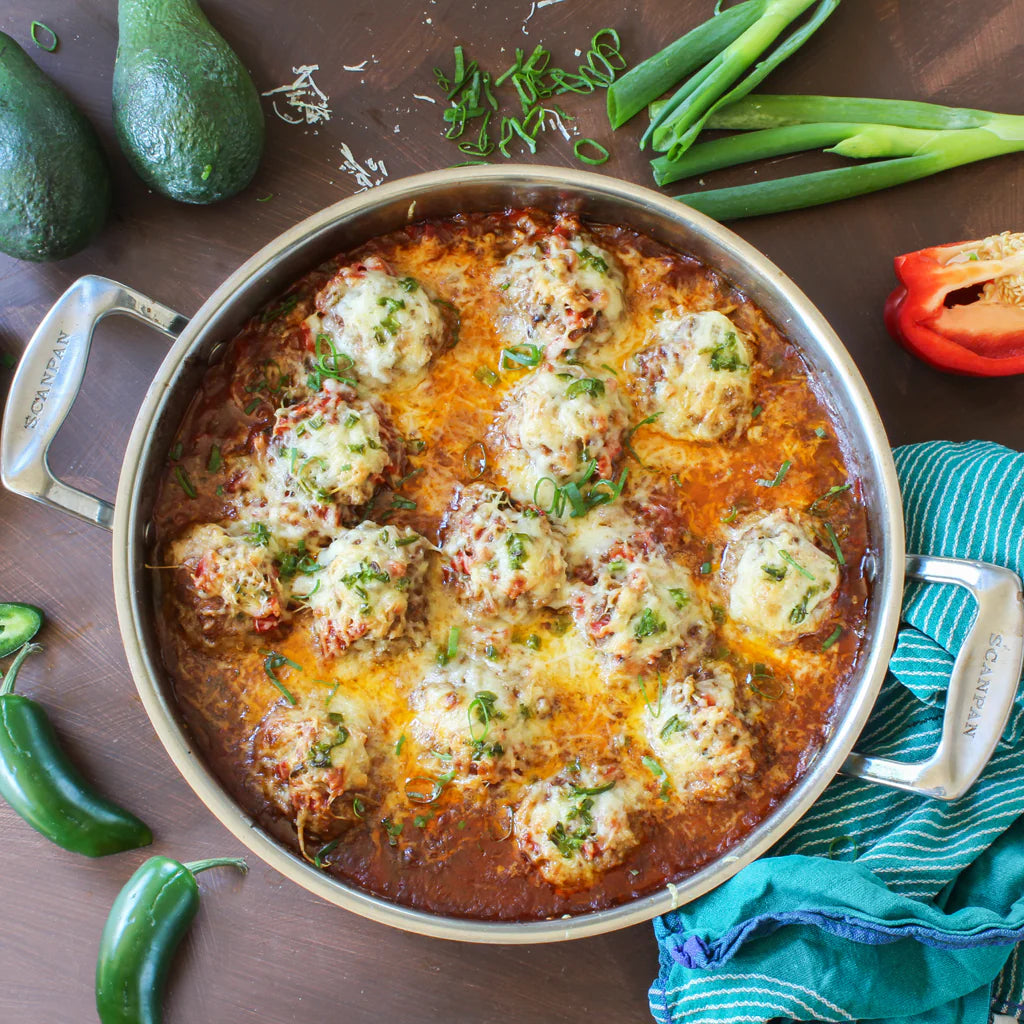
530,83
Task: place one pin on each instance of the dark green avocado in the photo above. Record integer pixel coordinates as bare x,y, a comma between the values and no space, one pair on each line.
54,182
187,114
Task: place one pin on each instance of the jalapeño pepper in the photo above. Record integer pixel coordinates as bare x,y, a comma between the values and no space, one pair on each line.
18,624
42,785
147,921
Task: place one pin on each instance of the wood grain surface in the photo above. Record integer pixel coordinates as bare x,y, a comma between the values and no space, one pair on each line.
264,950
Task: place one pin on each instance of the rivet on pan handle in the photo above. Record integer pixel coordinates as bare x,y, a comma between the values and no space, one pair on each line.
48,380
981,688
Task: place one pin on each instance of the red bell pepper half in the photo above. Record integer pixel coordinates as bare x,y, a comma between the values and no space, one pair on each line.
960,307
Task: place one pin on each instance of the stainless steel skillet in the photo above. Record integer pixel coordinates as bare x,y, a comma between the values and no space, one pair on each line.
985,676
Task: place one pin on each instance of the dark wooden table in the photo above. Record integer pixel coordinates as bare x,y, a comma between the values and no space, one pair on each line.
263,950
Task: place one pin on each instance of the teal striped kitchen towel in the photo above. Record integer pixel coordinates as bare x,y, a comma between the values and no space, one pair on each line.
880,905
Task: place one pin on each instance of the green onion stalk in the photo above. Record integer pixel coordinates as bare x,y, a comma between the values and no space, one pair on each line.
714,60
902,141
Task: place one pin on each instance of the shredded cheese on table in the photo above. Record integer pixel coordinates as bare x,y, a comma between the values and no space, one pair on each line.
366,176
304,96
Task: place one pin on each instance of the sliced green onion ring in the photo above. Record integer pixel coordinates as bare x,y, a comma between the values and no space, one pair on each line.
602,153
37,27
474,460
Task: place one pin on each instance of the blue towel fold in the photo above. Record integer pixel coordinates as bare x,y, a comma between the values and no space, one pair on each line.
880,905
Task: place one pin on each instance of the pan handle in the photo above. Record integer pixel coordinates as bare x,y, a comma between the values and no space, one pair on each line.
981,689
47,382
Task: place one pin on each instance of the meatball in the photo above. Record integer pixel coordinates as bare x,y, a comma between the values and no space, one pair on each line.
556,422
307,758
503,558
470,714
227,582
700,735
369,587
326,455
779,582
577,825
696,378
639,605
560,290
389,326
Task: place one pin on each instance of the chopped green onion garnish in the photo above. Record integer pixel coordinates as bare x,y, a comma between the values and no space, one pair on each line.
627,441
318,860
207,171
787,557
474,460
273,662
655,769
655,711
832,638
453,643
50,44
835,543
593,790
525,355
213,463
761,679
487,376
400,744
779,476
585,386
600,158
673,725
827,498
184,482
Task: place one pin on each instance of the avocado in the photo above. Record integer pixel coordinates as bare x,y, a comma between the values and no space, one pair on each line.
54,182
187,114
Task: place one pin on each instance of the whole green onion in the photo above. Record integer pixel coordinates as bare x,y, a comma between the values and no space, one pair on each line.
905,141
656,75
725,78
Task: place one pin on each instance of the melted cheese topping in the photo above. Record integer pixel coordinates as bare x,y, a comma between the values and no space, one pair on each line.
701,736
555,421
328,449
639,607
577,825
232,579
506,559
560,291
537,651
390,326
308,757
696,379
779,582
370,578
